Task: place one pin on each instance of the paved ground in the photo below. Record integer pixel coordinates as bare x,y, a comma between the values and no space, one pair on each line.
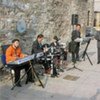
86,87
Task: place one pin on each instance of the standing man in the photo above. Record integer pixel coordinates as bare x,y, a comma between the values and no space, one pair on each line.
75,35
13,53
97,37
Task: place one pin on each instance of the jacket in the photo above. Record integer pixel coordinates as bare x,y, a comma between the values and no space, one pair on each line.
12,53
36,47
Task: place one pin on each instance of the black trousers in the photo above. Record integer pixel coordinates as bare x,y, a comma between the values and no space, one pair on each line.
75,55
17,70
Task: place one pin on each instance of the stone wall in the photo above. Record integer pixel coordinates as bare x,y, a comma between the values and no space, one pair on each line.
49,17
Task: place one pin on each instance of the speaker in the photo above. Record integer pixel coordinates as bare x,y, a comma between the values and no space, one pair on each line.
74,19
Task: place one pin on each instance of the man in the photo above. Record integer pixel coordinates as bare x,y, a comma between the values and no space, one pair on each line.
38,47
75,35
97,37
55,42
13,53
37,44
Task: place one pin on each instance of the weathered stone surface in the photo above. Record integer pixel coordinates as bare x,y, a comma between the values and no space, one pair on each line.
49,17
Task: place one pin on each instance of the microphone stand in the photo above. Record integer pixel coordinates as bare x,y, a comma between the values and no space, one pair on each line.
54,71
74,67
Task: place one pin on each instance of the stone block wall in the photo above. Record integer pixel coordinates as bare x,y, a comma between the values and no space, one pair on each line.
49,17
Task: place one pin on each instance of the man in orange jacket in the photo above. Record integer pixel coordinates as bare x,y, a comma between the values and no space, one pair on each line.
13,53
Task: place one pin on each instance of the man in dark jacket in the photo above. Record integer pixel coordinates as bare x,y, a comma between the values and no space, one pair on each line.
75,35
37,44
97,37
38,47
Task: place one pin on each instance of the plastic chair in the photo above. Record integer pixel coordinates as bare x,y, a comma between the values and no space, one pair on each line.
3,60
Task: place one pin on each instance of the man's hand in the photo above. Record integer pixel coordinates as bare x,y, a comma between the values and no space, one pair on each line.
16,58
45,49
25,55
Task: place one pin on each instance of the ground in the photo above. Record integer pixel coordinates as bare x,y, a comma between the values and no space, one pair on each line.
85,86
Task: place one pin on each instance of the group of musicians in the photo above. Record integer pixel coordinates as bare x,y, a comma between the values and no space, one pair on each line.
14,52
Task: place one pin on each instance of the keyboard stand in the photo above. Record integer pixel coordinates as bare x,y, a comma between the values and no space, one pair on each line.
14,85
33,72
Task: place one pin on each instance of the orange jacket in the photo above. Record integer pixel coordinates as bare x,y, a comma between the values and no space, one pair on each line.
12,54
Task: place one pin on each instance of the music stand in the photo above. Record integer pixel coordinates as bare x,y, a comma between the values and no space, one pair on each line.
85,52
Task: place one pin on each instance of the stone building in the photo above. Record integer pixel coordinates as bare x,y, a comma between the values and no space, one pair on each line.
49,17
97,14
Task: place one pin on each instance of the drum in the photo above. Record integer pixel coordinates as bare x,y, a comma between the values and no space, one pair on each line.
47,58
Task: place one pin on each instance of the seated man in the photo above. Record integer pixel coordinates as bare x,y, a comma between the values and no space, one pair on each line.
13,53
38,47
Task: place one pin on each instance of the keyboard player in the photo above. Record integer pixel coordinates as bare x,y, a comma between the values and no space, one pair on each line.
13,53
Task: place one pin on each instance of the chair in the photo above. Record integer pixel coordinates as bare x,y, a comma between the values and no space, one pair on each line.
3,60
3,57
